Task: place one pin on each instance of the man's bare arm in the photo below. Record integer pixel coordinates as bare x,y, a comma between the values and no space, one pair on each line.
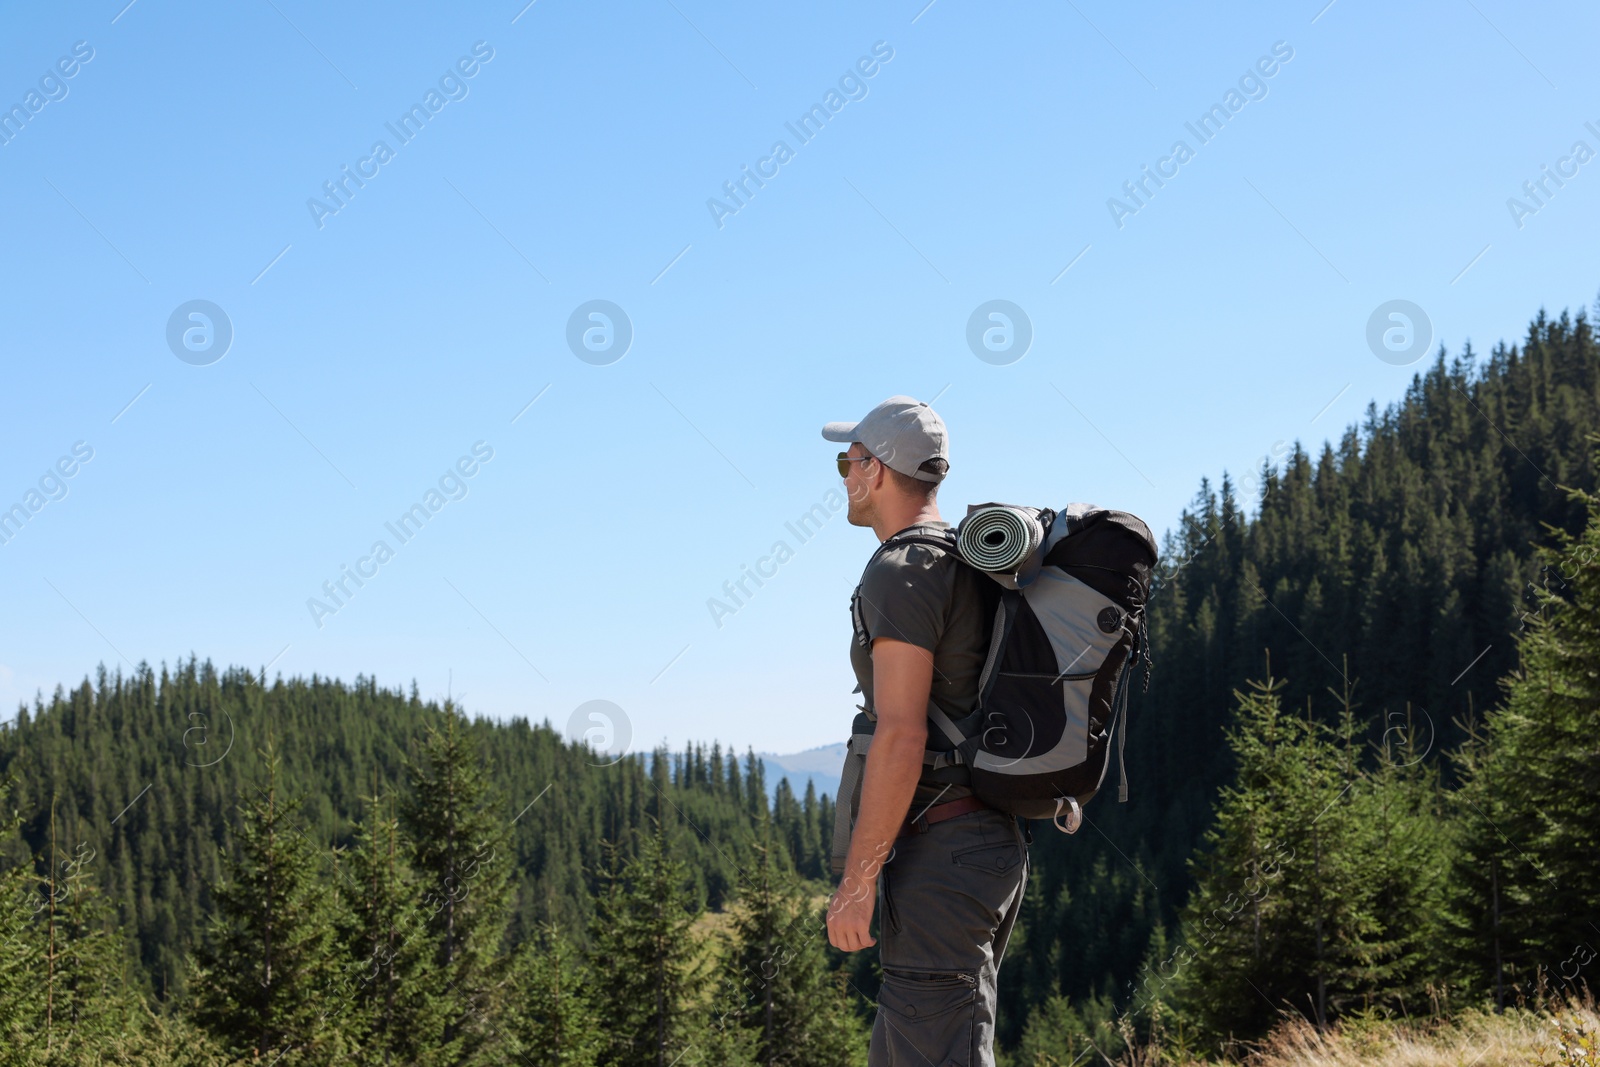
902,677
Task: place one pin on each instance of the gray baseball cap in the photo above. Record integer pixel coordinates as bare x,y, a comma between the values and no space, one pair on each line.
903,433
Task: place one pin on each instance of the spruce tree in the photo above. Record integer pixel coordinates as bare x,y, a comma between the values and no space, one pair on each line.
1278,914
647,973
1057,1036
779,977
553,1022
809,858
268,980
1486,915
459,849
92,1016
1398,811
86,1002
755,784
711,1040
21,995
1525,896
397,1003
152,1040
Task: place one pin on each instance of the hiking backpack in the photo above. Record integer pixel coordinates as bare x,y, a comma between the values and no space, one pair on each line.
1068,629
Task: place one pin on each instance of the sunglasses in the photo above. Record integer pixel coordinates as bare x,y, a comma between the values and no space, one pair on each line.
845,459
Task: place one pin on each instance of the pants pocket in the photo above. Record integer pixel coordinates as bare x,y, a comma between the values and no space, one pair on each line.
997,860
926,1017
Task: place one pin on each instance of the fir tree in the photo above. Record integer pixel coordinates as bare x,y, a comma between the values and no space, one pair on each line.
85,999
555,1023
809,858
1059,1034
397,1001
459,850
780,983
647,974
21,995
1526,888
1277,917
1486,917
1397,812
755,784
269,972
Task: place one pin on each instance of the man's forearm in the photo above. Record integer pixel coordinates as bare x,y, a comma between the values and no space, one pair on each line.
902,677
894,764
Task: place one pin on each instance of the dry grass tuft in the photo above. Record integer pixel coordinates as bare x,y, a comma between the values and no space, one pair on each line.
1566,1036
1481,1040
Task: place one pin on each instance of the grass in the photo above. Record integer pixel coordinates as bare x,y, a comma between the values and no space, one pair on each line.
1564,1036
1512,1039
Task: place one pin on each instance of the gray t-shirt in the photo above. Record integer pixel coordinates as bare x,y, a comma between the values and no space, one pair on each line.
926,597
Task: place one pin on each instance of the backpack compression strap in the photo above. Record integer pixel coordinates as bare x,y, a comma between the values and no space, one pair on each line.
848,800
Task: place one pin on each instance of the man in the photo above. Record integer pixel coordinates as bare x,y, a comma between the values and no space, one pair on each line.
949,870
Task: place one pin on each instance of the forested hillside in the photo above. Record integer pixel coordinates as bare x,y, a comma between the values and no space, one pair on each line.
1363,777
180,750
1392,559
383,881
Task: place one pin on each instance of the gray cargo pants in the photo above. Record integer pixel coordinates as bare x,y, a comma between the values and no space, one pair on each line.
948,898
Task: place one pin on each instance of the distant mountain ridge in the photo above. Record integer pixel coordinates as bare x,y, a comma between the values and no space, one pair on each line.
819,766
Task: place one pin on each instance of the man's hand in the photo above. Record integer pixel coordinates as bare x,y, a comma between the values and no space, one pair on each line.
902,676
850,915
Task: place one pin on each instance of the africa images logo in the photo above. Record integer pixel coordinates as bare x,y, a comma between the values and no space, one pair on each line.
599,332
52,88
452,85
999,332
1252,85
852,85
199,332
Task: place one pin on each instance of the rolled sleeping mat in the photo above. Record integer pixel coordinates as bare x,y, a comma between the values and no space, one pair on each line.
998,538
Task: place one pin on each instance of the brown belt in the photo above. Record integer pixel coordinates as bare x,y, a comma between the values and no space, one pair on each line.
939,813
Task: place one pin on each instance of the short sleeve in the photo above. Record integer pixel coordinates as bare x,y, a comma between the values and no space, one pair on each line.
904,594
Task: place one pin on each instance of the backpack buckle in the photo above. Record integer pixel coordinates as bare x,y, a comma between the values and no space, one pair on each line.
1074,816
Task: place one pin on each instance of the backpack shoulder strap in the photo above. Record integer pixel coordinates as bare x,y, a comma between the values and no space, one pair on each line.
946,542
932,540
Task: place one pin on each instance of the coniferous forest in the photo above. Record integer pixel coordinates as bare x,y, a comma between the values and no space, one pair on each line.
1365,784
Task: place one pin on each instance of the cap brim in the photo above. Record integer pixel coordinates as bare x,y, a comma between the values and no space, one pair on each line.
840,431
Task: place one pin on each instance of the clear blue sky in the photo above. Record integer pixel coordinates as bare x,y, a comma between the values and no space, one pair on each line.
372,347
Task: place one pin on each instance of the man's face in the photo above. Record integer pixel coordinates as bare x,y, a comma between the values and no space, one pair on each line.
860,485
